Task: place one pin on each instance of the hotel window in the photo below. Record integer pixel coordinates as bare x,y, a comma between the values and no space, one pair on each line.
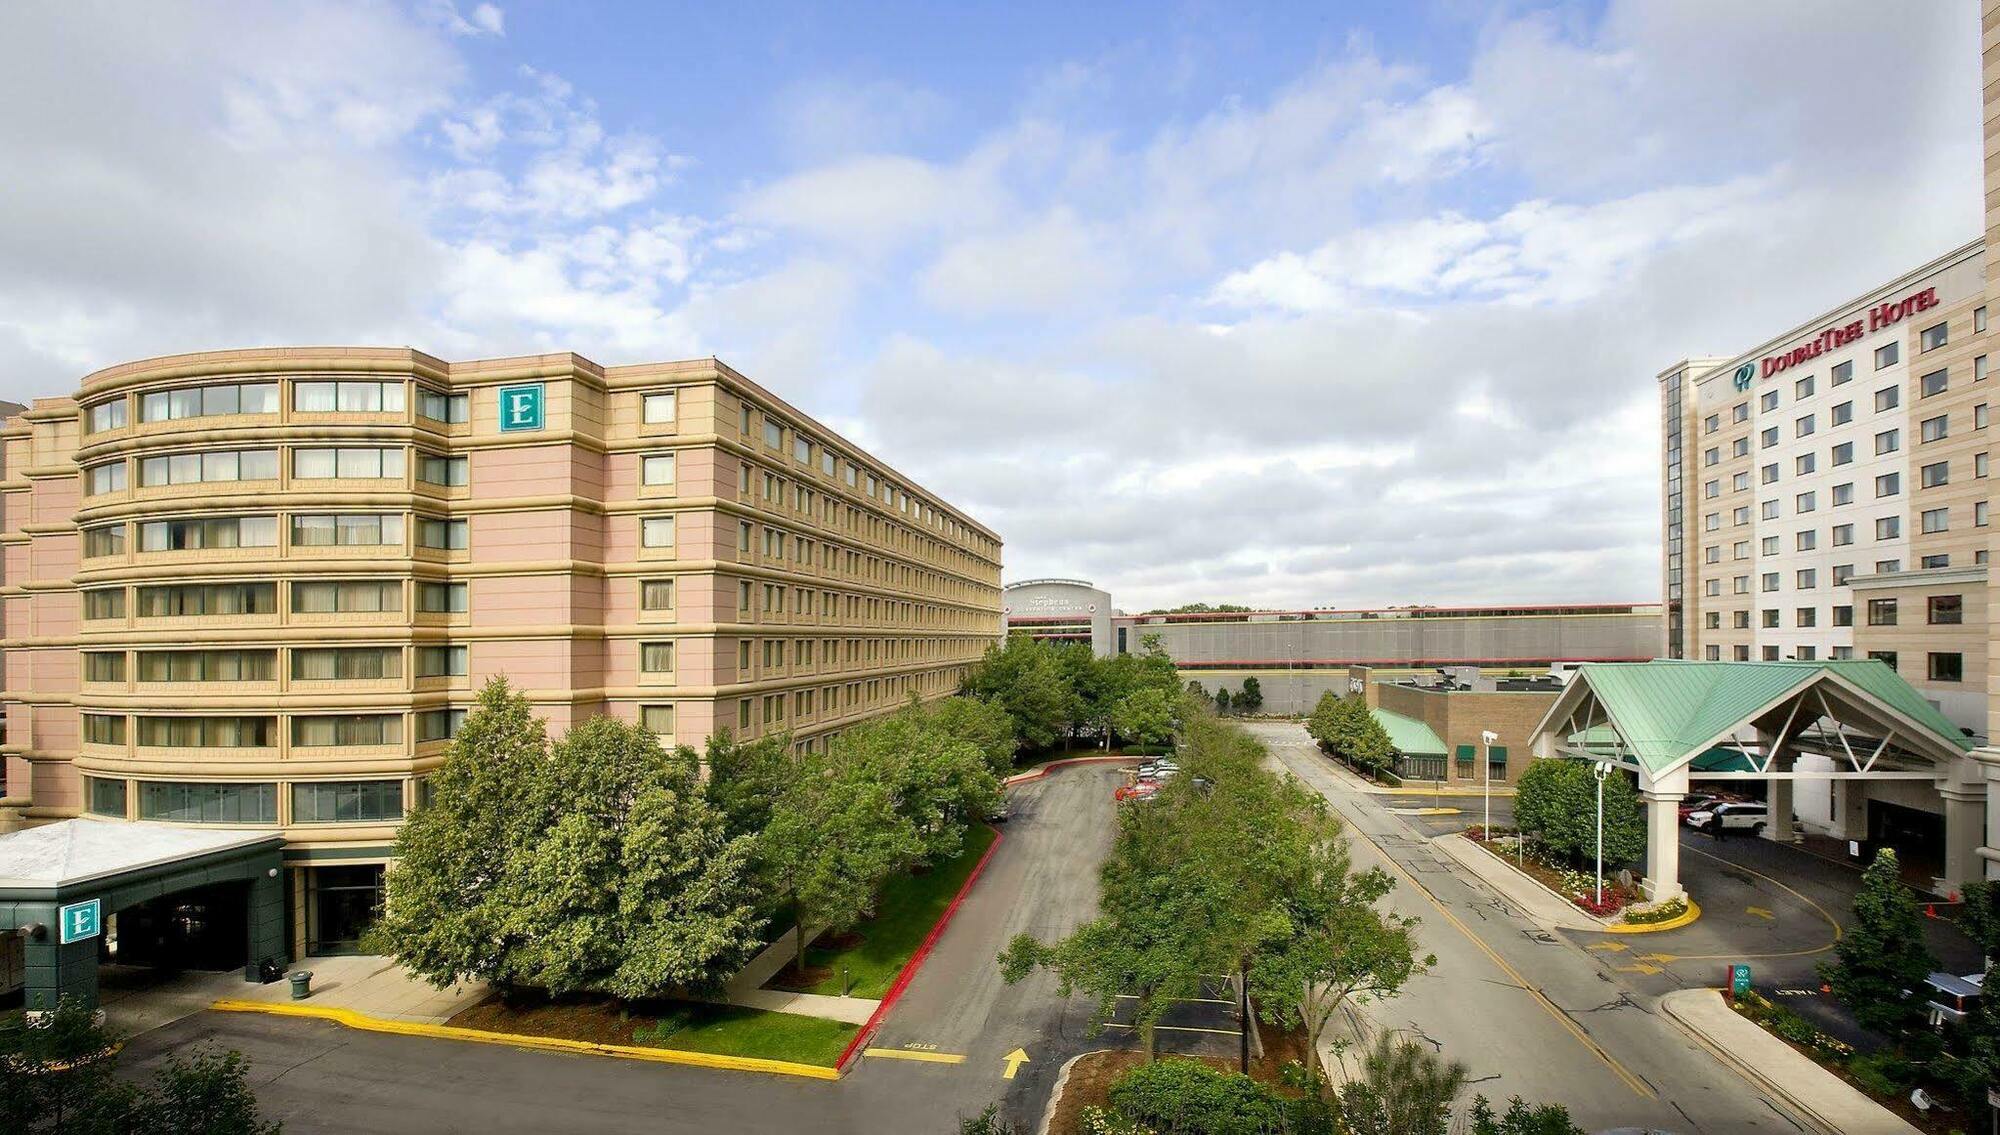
1740,620
186,803
107,797
439,724
1933,383
1742,653
347,597
1770,510
657,469
441,661
1806,617
1933,337
1979,319
442,535
207,732
1886,657
1946,610
1888,441
347,530
1843,453
1770,581
1843,534
215,532
1842,573
1935,429
1803,427
1888,398
1807,579
322,730
657,408
1711,456
441,407
1768,618
105,416
1929,562
441,598
656,595
347,801
1888,484
208,665
1805,502
1947,666
105,540
1979,465
1881,612
1768,402
657,532
743,597
1979,514
227,465
348,464
1714,622
1843,493
656,658
1979,368
1887,354
1768,474
1841,414
1768,438
348,397
103,729
1740,482
1888,527
103,666
346,663
1807,653
1740,550
451,472
1806,540
827,461
1936,519
1713,554
657,719
208,599
1740,447
1979,416
1805,463
801,450
774,435
1888,567
1803,388
104,603
108,478
209,401
1843,616
1935,474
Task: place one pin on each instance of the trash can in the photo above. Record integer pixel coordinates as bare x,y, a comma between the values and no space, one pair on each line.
302,984
270,972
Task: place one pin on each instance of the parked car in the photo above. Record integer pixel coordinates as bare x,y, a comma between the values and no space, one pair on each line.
1139,791
1953,997
998,813
1702,801
1749,816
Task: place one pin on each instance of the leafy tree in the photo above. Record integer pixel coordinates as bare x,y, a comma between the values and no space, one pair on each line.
1522,1119
452,897
744,777
1882,957
202,1091
1322,724
832,838
1402,1090
937,781
1221,700
1195,690
1145,716
984,724
1363,740
1556,800
1251,697
1025,677
1977,1062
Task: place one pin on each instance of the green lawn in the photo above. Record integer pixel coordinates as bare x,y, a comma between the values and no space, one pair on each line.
728,1030
910,906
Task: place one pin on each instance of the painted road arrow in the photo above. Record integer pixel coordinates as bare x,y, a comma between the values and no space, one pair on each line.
1642,967
1657,959
1014,1060
1613,946
1759,911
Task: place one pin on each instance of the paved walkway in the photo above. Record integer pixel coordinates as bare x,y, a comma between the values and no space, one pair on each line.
1817,1094
1542,907
747,989
137,1000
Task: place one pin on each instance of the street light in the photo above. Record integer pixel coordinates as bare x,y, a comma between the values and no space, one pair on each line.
1486,740
1603,770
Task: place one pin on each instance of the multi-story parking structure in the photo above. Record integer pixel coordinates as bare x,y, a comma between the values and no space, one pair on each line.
260,588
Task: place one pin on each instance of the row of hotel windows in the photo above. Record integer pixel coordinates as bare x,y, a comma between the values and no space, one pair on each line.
805,602
778,493
327,802
1940,611
1932,475
261,732
771,710
317,597
1886,442
1806,579
322,530
1941,665
773,653
356,463
1931,520
309,664
1886,528
1887,355
830,557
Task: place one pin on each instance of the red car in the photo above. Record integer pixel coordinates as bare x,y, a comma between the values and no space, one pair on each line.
1701,801
1135,791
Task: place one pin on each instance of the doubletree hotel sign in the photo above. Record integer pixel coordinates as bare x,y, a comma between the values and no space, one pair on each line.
1880,316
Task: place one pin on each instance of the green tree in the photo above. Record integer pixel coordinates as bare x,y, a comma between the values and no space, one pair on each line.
452,897
1977,1062
1362,739
937,781
1322,723
983,724
1250,698
1025,677
198,1091
832,838
1221,700
744,777
1195,690
1402,1090
1882,959
1522,1119
1556,801
1145,716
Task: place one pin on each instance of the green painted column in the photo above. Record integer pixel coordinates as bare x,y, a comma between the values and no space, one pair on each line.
266,922
53,970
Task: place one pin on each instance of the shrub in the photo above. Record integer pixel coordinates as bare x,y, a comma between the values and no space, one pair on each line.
1884,1074
1665,912
1182,1097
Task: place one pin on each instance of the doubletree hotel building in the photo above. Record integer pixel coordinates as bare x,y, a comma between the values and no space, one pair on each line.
259,589
1827,492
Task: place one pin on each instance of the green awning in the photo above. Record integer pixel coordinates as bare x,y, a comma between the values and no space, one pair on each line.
1411,737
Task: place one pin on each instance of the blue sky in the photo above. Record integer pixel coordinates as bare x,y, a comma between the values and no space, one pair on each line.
1324,304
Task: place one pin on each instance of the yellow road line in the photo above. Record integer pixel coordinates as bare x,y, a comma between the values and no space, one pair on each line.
915,1054
1639,1087
354,1020
1838,930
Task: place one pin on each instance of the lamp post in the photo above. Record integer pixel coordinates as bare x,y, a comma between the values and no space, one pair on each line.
1486,740
1603,770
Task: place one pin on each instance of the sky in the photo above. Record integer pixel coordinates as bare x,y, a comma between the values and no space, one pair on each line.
1330,304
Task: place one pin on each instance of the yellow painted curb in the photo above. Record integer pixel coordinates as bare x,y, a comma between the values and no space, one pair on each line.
354,1020
1693,912
1476,793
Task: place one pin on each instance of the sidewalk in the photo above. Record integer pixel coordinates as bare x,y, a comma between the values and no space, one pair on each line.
746,989
1542,907
371,985
1817,1095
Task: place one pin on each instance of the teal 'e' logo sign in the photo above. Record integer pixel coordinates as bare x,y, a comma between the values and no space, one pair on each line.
79,921
521,407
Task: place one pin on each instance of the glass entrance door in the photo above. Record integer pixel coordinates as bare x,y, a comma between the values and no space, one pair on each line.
341,904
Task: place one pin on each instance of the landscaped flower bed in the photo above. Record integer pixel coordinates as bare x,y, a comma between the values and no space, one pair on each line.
1579,887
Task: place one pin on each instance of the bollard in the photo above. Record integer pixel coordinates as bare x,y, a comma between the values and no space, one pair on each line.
302,984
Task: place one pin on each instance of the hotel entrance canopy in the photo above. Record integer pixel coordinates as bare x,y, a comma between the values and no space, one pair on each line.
1667,721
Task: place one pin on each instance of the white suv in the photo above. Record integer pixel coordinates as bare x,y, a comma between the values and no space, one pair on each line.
1748,816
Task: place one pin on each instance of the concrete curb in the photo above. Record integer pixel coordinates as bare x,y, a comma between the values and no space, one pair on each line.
1538,902
1675,923
1062,1081
1044,770
354,1020
1775,1067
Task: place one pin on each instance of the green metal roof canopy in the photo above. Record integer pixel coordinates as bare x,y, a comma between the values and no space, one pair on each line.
1667,713
1411,737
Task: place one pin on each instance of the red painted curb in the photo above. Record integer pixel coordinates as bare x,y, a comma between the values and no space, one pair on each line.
1037,774
909,970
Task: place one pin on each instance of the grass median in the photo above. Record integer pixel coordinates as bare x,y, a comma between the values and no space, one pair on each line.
684,1026
909,907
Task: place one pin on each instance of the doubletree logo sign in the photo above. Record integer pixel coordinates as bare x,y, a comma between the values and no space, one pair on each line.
1745,375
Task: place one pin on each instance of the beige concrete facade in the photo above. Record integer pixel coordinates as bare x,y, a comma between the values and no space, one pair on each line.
1989,757
259,586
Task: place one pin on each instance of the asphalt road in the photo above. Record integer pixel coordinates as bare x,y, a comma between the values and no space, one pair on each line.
1528,1012
321,1078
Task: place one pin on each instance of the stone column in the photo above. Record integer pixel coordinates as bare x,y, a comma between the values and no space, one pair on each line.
53,970
265,919
1778,825
1964,829
1663,845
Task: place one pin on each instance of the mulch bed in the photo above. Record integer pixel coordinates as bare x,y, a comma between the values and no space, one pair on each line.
1091,1077
588,1019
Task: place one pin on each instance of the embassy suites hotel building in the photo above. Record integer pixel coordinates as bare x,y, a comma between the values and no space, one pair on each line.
258,589
1827,493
